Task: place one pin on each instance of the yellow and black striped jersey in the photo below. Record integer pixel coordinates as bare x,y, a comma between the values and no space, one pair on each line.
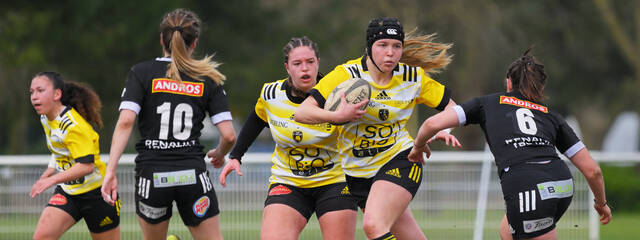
71,139
305,155
370,142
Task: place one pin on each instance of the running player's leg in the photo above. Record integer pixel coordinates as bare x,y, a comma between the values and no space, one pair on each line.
505,232
207,229
280,221
53,223
102,219
406,227
551,235
386,202
505,229
153,204
394,186
151,231
336,211
197,204
113,234
287,210
339,224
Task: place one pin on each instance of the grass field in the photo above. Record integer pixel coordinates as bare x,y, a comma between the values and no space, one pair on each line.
246,224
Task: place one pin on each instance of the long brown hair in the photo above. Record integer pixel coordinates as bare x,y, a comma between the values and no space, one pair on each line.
187,26
528,77
420,50
77,95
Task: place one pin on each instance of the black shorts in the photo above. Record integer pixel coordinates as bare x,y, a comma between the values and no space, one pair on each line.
98,214
158,186
399,171
323,199
536,196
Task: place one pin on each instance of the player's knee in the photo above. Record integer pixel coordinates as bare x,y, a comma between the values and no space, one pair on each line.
373,229
41,235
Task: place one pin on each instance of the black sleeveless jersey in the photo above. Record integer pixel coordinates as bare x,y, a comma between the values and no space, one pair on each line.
170,113
518,130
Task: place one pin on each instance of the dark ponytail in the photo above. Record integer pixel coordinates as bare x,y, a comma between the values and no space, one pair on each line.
528,77
77,95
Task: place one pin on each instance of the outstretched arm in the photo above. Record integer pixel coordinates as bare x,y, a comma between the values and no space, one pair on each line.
443,120
227,139
121,135
248,134
591,171
445,134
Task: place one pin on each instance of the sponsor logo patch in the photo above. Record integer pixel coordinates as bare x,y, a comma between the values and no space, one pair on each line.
279,190
394,172
165,85
297,135
383,96
383,114
151,212
556,189
345,191
537,225
201,206
522,103
105,221
58,199
175,178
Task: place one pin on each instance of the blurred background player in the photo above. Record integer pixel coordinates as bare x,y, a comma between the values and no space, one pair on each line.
172,95
375,144
67,112
523,136
306,175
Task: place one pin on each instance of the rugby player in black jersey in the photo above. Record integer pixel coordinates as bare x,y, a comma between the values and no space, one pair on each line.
306,175
523,135
172,96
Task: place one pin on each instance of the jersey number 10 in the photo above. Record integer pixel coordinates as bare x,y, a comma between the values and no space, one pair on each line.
182,124
525,121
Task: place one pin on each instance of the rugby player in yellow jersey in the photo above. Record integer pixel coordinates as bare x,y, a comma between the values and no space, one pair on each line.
306,175
67,111
374,144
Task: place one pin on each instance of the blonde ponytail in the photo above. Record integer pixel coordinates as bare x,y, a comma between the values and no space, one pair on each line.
420,51
182,27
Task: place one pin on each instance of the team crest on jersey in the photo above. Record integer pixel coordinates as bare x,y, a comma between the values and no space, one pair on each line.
166,85
383,114
58,199
522,103
279,190
297,135
201,206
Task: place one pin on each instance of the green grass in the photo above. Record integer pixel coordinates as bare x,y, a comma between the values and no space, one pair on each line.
624,226
246,224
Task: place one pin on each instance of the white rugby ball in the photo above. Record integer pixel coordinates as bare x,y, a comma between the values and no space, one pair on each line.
355,90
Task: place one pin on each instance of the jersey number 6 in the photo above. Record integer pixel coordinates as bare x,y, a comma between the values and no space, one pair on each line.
525,121
182,123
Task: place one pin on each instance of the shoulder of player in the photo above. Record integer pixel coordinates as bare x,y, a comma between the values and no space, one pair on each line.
148,65
269,89
353,64
411,73
69,120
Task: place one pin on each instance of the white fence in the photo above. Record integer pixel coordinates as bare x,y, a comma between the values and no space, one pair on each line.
460,198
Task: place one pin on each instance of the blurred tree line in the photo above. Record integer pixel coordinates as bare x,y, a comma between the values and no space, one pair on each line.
590,50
